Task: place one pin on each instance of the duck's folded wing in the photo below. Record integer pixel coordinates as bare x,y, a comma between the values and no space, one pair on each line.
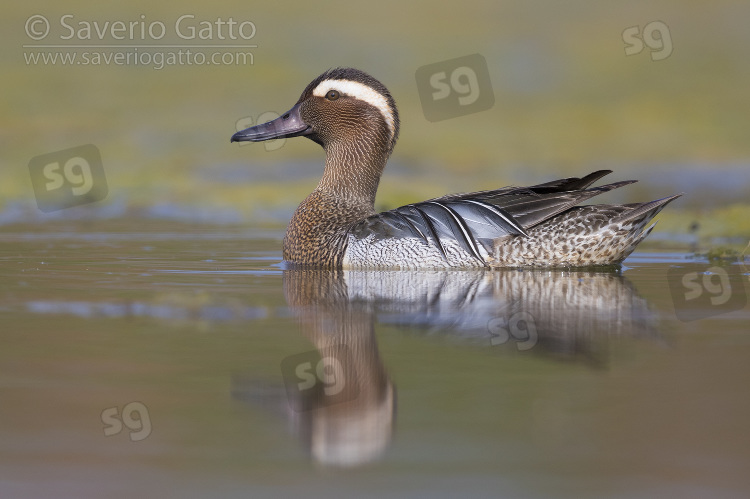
530,206
475,220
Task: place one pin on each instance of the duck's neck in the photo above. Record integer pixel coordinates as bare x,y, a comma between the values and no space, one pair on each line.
352,171
345,195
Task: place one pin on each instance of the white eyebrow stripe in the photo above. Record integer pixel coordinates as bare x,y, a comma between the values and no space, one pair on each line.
362,92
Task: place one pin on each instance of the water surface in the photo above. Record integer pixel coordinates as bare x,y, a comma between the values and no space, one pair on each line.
162,360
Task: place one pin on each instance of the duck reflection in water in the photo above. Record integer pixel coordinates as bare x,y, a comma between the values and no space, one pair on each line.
343,405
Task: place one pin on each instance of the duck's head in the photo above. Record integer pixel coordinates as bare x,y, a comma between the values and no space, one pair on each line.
341,106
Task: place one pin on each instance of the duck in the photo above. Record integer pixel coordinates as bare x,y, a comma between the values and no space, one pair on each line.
354,118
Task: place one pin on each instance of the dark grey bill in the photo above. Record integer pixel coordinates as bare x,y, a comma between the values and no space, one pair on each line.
290,124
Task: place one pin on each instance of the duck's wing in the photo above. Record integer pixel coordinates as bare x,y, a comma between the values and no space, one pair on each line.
555,186
477,219
530,206
570,183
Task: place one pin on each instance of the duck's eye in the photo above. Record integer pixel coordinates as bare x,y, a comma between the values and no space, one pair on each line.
332,95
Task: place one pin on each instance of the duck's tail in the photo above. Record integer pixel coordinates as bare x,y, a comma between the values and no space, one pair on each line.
638,217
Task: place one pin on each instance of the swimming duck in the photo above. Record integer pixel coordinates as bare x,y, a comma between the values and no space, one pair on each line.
354,118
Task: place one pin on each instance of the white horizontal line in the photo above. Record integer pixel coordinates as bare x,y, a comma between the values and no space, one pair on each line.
137,46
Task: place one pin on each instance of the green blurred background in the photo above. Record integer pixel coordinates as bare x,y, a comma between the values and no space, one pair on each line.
568,100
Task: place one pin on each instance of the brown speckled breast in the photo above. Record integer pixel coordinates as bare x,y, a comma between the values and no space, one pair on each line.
317,233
